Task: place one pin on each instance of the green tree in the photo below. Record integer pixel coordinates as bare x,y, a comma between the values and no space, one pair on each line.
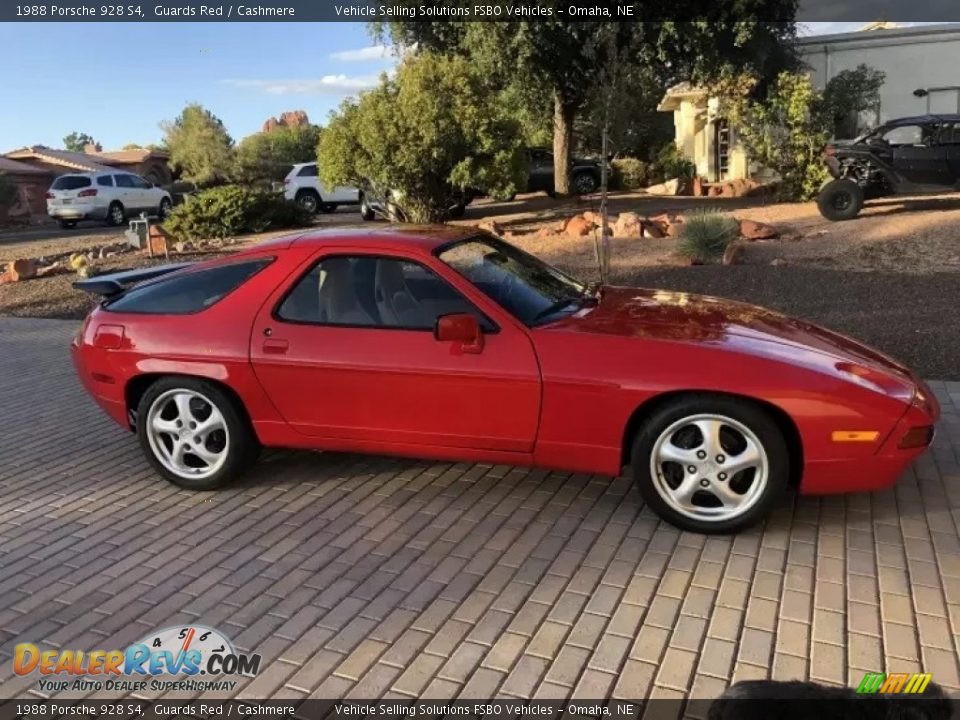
77,141
569,58
848,95
266,156
424,136
200,147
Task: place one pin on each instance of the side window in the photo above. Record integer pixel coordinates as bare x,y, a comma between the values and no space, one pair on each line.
950,134
373,292
124,181
190,292
308,171
139,182
909,135
105,181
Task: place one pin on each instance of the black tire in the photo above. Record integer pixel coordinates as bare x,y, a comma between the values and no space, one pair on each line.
328,208
755,418
584,183
366,212
309,200
840,200
116,214
242,447
67,224
163,212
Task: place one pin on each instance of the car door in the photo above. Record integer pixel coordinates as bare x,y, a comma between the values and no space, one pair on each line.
917,156
127,192
337,194
347,351
541,171
148,197
950,142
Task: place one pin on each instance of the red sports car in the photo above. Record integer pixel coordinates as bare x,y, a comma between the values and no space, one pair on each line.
449,343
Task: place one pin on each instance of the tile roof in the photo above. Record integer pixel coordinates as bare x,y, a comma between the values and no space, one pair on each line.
18,168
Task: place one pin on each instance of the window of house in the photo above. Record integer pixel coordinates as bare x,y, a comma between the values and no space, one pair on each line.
372,291
186,293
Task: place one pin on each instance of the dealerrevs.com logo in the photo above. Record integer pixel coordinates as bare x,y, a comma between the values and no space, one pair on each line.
175,651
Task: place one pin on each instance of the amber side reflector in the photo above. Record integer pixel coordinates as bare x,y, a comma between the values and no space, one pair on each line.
854,435
917,437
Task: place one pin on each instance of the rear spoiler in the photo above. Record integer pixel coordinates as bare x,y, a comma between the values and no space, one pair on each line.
116,283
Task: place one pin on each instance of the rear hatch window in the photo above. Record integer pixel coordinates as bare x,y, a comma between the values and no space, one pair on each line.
187,291
70,182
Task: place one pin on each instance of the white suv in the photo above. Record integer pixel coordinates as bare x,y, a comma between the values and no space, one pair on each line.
110,196
303,186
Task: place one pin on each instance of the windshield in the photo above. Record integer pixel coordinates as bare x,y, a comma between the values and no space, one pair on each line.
527,288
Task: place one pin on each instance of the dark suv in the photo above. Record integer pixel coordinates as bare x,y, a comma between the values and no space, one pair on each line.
909,156
584,174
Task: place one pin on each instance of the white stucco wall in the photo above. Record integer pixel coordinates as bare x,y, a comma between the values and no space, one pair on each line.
912,58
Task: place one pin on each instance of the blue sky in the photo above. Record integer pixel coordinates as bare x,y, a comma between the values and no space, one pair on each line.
118,81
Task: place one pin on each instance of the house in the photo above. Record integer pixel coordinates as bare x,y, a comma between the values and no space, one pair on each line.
152,165
920,64
32,183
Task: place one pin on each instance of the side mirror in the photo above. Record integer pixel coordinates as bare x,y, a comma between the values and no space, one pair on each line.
461,329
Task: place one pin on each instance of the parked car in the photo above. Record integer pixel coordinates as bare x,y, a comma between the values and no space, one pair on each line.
110,196
909,156
451,344
302,184
584,173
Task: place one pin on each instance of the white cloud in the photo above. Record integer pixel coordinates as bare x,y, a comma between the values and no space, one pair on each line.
375,52
326,85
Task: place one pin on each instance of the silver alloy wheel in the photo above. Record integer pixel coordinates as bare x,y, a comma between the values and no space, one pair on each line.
187,433
116,214
709,467
309,202
164,209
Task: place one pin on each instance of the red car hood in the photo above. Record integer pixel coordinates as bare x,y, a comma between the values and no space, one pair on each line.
685,317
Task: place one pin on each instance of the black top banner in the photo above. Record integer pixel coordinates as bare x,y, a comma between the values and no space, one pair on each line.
458,10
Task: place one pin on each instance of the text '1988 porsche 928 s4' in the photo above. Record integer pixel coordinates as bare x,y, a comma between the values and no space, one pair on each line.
451,344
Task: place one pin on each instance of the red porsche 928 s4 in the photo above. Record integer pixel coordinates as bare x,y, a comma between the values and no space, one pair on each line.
451,344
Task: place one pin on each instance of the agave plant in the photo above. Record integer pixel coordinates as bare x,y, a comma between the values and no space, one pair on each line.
706,235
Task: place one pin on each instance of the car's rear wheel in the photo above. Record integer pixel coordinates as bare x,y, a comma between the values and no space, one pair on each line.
116,214
584,183
163,212
840,200
67,224
711,463
309,201
194,433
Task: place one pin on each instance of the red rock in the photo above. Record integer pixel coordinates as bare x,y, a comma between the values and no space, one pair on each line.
578,227
293,118
713,191
751,230
733,255
5,277
491,227
628,224
22,270
697,189
653,230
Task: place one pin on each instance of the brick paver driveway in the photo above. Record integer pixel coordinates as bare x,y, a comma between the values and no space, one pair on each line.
360,576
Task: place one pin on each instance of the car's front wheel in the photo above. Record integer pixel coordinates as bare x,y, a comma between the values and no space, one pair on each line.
711,463
366,212
840,200
194,434
309,201
116,214
584,183
163,212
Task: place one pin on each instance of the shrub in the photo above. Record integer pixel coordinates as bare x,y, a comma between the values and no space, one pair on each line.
231,210
670,163
706,235
629,174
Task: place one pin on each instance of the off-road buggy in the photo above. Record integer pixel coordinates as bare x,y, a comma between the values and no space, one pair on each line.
909,156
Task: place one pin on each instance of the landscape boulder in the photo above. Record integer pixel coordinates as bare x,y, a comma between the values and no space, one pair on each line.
669,187
23,269
628,224
578,226
752,230
653,231
669,223
733,255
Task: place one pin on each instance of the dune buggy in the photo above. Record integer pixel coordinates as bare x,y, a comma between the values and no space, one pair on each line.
909,156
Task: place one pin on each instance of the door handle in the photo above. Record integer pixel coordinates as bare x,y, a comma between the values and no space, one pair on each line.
275,346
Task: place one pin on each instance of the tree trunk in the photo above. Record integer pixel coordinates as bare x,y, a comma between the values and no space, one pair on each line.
563,115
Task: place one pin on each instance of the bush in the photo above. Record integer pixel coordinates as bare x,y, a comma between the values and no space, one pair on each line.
706,235
669,164
629,174
231,210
